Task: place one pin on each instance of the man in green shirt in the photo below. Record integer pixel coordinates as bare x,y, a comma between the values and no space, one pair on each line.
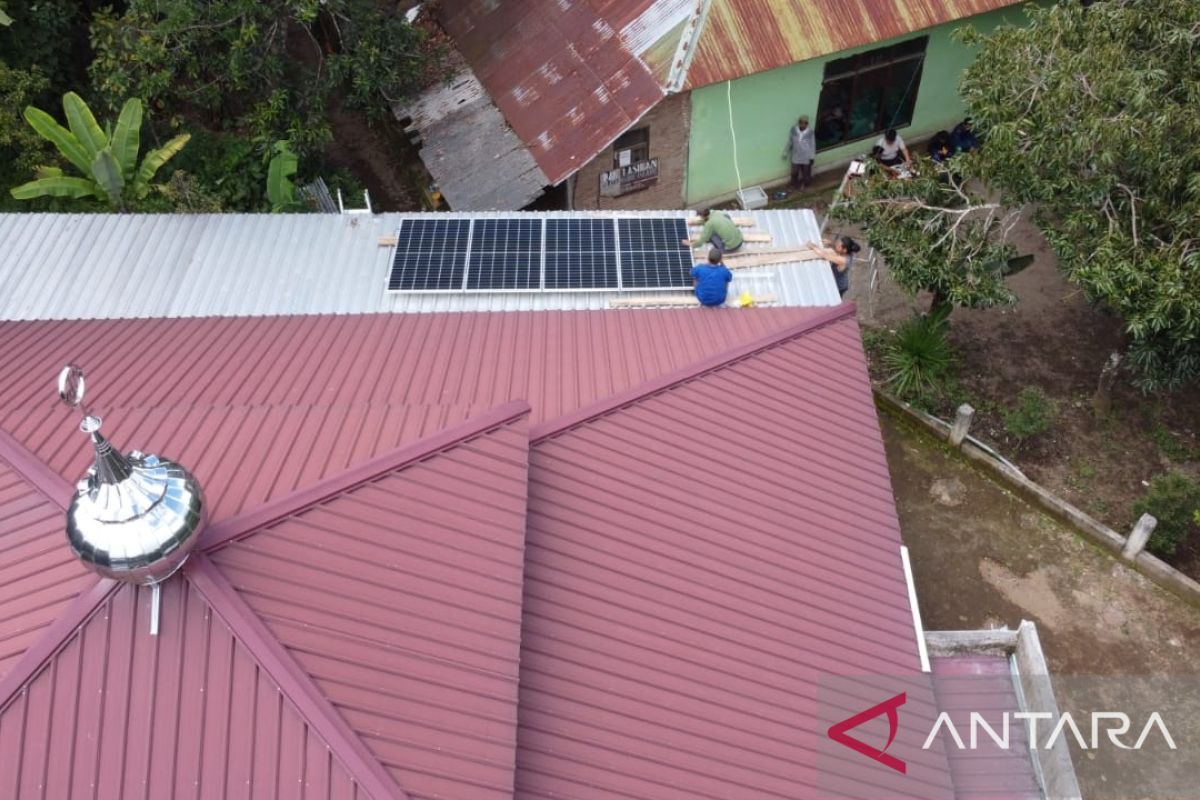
719,231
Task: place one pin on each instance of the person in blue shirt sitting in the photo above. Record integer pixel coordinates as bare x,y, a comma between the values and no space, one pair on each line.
963,137
712,280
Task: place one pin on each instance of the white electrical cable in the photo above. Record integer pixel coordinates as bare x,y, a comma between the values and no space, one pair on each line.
733,135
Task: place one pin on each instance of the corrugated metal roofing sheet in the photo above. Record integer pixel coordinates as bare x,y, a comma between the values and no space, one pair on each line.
694,560
984,684
709,524
39,575
402,599
558,70
742,37
85,266
190,713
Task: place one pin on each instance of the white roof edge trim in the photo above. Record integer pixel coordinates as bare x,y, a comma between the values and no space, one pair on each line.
916,611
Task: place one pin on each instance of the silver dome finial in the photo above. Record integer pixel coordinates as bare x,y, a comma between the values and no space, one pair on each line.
134,517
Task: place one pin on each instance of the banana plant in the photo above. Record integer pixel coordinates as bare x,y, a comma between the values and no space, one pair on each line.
107,157
281,191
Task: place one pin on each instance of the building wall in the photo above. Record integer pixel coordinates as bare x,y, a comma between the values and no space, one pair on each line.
668,122
766,105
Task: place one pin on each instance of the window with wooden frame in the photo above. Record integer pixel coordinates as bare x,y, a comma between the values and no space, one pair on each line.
635,141
868,93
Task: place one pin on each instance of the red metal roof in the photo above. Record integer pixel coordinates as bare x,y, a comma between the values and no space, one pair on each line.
694,560
558,71
708,525
119,714
984,684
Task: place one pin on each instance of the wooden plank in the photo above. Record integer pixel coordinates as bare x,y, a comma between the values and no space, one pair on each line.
756,237
676,300
387,241
766,259
741,222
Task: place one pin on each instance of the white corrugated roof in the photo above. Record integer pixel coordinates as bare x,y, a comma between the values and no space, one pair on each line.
80,266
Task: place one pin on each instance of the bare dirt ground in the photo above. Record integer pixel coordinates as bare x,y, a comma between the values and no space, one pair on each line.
989,560
1054,339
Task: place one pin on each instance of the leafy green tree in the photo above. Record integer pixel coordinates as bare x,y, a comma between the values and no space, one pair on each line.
935,234
270,69
1091,113
21,148
107,158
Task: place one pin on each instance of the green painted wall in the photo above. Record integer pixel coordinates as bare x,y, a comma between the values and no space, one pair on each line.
766,105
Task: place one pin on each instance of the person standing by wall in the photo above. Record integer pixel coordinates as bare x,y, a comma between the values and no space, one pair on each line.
802,149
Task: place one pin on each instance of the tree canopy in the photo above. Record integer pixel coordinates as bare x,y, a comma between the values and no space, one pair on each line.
1091,113
935,234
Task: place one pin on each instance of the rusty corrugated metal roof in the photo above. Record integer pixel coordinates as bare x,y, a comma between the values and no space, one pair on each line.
742,37
560,72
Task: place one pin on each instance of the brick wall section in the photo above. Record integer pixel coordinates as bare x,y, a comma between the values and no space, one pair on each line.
669,124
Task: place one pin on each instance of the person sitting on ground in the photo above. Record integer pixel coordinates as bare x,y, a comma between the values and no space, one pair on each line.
963,137
892,150
719,231
712,280
840,257
940,147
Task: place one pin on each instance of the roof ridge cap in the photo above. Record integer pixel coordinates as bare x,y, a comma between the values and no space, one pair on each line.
616,402
36,472
323,490
313,706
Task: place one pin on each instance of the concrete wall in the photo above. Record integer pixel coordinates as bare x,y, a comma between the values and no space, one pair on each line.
766,105
668,123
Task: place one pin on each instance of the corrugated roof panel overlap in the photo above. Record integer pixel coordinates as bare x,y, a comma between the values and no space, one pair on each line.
101,266
120,714
402,600
694,561
39,574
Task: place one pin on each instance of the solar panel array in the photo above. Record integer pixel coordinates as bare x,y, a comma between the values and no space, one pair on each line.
541,254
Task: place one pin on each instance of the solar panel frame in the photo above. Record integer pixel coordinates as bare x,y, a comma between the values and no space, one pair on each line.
507,255
652,253
496,255
419,242
581,255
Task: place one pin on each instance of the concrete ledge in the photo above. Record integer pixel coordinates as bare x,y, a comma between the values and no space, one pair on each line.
1157,570
1001,642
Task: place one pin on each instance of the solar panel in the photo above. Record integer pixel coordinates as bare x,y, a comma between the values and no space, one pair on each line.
505,254
653,255
580,254
430,255
534,253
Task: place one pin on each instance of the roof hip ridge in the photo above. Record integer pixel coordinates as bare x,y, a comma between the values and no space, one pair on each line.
295,684
292,503
551,428
36,472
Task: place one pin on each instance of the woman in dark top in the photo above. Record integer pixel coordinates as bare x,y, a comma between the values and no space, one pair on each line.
840,257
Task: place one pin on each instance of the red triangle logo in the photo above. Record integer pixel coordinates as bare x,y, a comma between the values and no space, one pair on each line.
890,707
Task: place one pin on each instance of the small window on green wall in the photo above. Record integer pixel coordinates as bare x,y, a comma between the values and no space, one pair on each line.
868,93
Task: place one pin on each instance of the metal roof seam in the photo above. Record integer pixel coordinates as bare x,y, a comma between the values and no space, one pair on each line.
313,706
35,472
620,400
228,530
